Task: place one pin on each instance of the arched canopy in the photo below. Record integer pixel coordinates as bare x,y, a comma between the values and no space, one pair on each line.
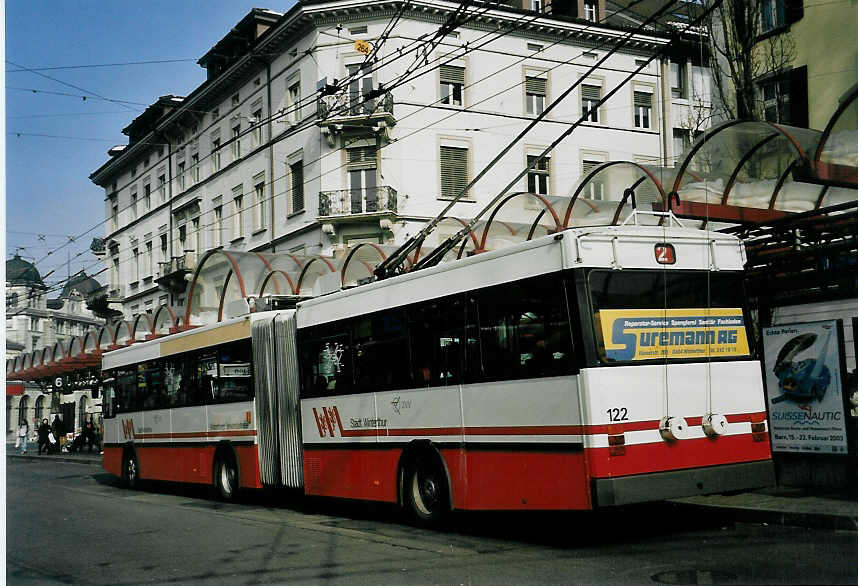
122,333
836,158
164,321
741,171
143,327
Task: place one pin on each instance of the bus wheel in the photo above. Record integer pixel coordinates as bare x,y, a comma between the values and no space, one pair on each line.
226,477
425,488
130,471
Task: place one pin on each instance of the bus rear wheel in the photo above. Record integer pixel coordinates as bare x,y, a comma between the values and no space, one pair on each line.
426,494
226,477
130,472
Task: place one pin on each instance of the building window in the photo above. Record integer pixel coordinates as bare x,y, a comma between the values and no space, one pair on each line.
235,100
163,248
257,128
772,15
114,213
537,176
195,168
114,274
237,213
296,173
678,79
363,187
180,175
643,109
134,206
150,267
591,10
782,98
534,88
594,189
360,85
681,141
236,142
590,96
147,197
259,205
162,187
216,153
452,85
218,226
135,264
293,102
454,171
536,5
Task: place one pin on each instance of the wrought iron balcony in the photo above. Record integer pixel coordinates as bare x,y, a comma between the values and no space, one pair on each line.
347,104
171,274
352,202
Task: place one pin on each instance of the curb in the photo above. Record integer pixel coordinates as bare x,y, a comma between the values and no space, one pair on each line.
812,520
94,461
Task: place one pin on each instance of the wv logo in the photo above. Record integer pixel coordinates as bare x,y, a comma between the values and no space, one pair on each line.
128,428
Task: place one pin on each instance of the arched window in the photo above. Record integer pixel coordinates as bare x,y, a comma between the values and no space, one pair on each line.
81,413
23,405
40,407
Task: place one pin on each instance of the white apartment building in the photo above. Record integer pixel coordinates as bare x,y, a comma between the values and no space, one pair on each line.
299,142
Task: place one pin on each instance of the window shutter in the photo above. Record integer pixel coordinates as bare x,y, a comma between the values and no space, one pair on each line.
798,111
534,85
454,170
451,74
362,157
643,99
591,92
588,166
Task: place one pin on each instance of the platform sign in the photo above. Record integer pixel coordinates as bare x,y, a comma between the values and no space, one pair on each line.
804,381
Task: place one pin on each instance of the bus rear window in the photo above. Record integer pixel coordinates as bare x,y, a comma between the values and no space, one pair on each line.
652,315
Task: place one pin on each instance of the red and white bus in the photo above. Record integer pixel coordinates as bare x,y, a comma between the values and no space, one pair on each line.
593,367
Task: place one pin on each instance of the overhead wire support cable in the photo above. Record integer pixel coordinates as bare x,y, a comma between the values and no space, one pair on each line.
389,265
436,255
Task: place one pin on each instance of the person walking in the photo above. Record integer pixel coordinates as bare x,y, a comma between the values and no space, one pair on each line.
89,434
58,430
23,432
44,431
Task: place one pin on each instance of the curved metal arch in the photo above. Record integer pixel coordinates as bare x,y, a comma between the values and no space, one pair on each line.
272,274
91,334
268,276
545,204
128,329
348,258
568,215
220,302
55,356
628,192
851,96
192,286
76,341
150,323
308,265
728,124
742,161
780,184
168,311
103,331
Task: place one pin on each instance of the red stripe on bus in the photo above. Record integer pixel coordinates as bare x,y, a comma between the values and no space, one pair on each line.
682,454
530,429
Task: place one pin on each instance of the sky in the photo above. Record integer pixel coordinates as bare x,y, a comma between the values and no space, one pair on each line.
55,138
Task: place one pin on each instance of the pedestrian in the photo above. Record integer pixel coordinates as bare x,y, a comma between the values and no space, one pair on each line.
58,431
89,434
23,432
44,432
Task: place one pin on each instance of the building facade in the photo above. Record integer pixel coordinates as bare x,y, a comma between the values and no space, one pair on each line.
323,127
35,322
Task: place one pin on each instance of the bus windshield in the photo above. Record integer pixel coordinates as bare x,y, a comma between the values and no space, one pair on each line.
642,315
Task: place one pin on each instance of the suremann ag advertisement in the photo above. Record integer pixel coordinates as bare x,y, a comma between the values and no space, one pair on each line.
804,384
646,334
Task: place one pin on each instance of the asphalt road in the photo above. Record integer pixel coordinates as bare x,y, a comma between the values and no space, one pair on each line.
71,523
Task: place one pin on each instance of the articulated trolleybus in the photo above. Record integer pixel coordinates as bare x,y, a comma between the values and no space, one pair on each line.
589,368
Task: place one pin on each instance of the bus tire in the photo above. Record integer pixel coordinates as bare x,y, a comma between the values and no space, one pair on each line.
425,490
225,476
130,470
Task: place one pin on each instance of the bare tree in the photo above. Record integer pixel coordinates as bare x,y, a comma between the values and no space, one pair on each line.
740,55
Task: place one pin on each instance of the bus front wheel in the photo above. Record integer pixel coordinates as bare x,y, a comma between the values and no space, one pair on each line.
226,477
425,490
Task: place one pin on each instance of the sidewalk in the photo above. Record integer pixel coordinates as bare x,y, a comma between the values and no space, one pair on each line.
776,506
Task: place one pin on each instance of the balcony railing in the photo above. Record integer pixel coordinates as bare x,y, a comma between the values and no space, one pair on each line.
345,202
349,104
171,274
